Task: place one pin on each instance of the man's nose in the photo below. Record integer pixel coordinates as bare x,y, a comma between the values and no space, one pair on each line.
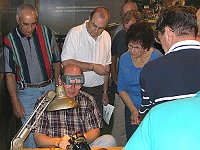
73,86
30,28
96,29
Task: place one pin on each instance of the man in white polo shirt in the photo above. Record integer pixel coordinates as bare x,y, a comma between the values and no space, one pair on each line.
89,47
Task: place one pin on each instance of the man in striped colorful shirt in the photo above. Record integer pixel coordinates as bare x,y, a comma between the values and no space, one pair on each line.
1,66
32,62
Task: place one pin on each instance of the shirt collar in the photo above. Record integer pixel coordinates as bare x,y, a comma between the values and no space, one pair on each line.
187,44
22,34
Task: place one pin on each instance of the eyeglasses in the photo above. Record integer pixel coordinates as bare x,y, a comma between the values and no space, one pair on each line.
135,47
96,27
29,24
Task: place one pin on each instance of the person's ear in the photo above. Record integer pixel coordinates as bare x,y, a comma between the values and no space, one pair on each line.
169,33
17,19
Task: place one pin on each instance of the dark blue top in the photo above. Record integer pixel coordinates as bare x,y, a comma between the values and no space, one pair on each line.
172,76
119,45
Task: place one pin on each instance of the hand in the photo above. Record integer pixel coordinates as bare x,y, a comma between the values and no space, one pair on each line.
101,70
64,142
18,109
134,117
105,99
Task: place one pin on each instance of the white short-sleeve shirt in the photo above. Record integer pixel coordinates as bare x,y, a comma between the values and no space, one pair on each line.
79,45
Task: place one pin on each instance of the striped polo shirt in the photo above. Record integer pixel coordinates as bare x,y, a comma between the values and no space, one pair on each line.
31,58
173,76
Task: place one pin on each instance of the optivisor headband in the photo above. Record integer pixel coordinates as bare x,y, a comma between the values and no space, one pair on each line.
73,79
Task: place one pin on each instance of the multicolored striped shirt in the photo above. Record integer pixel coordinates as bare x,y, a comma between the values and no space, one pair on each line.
1,55
67,122
31,58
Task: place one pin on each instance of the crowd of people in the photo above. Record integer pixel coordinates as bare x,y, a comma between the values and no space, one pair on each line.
143,77
172,79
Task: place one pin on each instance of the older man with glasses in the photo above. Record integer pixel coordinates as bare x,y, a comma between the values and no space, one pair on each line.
56,127
32,62
177,74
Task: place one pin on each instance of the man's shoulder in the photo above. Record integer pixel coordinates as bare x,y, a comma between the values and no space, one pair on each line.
105,33
120,35
154,67
77,29
7,39
156,63
122,32
43,27
86,95
119,28
13,32
169,59
86,99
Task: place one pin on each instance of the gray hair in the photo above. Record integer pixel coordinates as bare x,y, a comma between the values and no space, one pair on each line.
25,6
131,14
198,20
133,4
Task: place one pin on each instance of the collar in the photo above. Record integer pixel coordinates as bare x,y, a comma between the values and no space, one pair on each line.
186,44
22,34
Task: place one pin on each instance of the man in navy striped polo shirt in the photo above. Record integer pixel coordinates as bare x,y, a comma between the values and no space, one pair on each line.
177,74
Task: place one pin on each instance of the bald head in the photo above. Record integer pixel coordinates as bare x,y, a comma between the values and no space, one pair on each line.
26,9
72,70
72,80
101,12
27,19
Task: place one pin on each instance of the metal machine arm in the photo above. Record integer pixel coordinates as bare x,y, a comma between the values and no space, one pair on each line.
18,141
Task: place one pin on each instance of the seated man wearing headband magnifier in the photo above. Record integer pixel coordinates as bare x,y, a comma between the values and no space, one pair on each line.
55,128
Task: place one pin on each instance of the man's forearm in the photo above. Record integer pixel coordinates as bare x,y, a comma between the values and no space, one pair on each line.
83,65
92,135
106,80
11,86
43,140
